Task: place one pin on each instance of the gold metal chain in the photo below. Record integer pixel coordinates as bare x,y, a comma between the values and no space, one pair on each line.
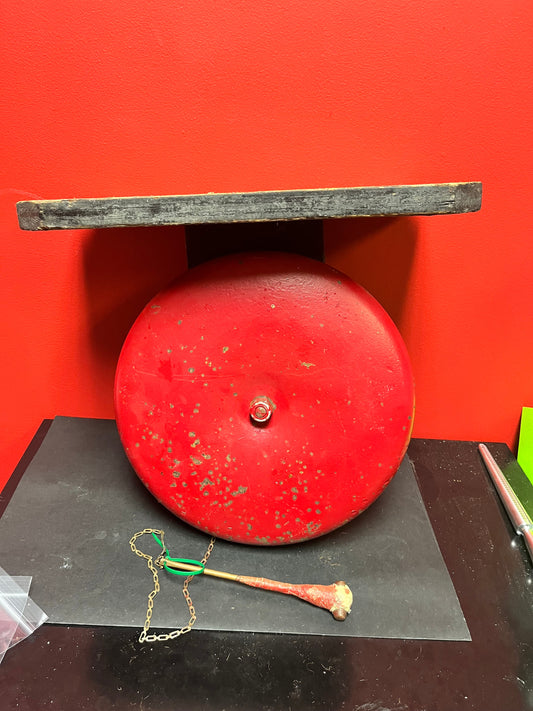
154,565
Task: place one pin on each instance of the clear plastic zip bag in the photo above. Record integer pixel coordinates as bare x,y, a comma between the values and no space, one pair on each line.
20,616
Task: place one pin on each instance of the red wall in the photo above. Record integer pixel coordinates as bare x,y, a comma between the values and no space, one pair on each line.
144,97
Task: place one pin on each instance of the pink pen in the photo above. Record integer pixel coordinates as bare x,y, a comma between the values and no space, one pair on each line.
522,523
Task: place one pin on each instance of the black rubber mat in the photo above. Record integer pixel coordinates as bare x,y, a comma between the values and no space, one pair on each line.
79,502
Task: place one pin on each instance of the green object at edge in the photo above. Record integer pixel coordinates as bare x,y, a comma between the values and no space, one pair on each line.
520,476
525,444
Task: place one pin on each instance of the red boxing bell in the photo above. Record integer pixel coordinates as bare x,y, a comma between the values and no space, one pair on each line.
264,398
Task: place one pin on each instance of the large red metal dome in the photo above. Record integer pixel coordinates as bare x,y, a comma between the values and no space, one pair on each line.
264,398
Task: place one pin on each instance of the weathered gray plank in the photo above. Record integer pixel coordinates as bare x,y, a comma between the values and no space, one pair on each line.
435,199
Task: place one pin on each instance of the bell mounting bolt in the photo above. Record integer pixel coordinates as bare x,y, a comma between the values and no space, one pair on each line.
261,409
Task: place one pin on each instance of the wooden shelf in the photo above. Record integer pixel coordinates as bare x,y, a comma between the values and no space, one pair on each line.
216,208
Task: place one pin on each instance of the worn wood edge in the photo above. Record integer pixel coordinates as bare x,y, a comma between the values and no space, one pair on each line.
275,205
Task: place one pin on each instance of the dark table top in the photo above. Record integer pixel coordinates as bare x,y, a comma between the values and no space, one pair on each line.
100,668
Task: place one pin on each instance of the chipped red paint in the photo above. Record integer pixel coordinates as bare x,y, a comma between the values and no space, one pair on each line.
336,598
274,326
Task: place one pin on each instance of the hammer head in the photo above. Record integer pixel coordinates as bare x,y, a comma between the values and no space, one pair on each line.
343,600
